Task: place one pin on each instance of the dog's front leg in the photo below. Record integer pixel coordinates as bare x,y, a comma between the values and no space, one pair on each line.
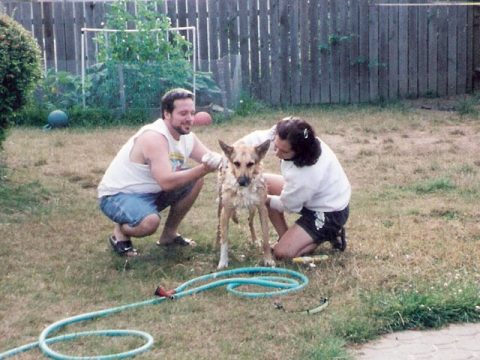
251,225
267,250
225,215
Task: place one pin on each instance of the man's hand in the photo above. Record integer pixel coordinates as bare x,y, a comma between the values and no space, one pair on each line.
212,160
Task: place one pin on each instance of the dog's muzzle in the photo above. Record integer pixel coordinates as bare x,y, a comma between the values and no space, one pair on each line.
243,181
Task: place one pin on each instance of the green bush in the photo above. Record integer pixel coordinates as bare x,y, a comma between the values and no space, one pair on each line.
142,64
20,69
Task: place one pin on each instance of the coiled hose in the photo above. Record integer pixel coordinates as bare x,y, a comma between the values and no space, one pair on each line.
280,282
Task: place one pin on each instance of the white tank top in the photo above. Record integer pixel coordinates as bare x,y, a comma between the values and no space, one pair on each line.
125,176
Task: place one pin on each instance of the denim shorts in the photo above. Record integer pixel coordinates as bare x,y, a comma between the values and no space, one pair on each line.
322,226
131,209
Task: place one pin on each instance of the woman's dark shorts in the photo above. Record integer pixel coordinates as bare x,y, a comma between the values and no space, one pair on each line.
322,226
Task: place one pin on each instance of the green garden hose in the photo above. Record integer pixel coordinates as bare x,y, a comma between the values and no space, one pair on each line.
280,281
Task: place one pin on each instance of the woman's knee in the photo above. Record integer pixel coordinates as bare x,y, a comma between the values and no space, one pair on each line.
282,253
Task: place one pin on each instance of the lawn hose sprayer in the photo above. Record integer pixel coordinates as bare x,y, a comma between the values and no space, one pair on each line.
276,281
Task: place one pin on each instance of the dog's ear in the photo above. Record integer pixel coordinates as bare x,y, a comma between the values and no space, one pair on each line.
227,149
262,149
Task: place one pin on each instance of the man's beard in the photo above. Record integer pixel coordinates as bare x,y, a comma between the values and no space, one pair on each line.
181,131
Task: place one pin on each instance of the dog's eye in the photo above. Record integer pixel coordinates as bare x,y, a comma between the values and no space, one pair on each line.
236,163
250,164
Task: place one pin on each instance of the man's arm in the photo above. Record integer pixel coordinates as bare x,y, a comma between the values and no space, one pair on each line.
154,148
199,149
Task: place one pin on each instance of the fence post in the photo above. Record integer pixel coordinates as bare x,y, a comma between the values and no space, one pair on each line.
476,48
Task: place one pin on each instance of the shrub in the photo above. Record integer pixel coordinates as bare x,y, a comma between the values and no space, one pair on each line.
143,64
20,69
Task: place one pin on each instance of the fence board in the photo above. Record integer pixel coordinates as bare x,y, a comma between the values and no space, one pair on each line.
172,12
70,46
59,33
182,13
223,36
285,69
469,52
254,51
314,58
293,51
37,24
294,54
305,54
343,47
335,56
442,54
403,53
275,54
422,51
264,50
373,52
432,51
476,47
397,43
461,49
412,52
48,35
243,18
354,32
452,51
232,23
363,59
383,52
243,35
324,52
214,29
203,35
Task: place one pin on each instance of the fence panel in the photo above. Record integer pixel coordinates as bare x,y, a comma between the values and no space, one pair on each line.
292,51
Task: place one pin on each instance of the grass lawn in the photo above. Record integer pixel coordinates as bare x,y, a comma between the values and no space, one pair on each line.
412,259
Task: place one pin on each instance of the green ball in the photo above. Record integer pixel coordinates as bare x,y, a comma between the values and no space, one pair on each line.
57,119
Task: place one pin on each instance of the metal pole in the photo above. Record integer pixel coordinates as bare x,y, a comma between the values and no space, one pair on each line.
83,66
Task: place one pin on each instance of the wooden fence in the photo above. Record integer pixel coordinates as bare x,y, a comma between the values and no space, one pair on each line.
295,51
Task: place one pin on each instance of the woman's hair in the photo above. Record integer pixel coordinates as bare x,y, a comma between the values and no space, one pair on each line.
170,96
302,139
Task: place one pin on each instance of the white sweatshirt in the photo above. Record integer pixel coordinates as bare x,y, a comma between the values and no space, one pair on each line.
323,186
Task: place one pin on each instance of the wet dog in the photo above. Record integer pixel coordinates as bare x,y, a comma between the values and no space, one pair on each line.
242,185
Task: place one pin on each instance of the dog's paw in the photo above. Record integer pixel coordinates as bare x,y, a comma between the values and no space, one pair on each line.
222,265
269,262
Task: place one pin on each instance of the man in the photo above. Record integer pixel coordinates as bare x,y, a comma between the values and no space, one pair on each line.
148,175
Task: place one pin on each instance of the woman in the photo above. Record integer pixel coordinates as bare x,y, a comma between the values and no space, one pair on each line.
312,183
